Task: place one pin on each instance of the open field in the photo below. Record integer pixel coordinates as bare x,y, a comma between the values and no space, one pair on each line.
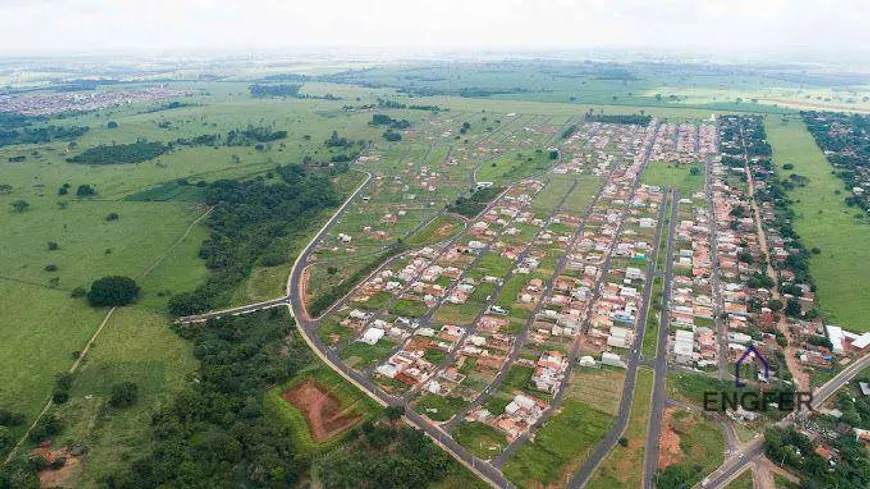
691,441
680,177
623,467
551,455
136,346
825,222
51,325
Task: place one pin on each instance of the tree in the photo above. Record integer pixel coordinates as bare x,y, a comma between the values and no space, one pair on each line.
112,125
86,191
113,291
51,267
394,413
694,171
20,206
124,394
112,216
52,246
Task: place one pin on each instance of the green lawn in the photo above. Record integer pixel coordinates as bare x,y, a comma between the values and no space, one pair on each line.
824,221
362,355
409,308
544,460
484,441
44,321
514,166
676,176
623,467
438,408
586,189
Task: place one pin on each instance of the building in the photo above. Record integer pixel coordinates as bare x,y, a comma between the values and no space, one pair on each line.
684,342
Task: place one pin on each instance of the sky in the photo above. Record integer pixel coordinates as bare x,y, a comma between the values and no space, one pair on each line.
97,26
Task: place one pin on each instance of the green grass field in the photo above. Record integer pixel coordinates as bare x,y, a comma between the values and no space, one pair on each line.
680,177
484,441
136,346
825,222
544,460
623,467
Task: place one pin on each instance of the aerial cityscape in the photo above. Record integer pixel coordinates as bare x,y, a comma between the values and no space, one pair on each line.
267,262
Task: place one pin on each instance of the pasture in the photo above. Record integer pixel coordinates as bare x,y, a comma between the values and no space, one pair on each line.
824,221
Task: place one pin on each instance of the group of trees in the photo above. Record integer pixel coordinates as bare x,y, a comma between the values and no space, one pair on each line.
791,448
216,434
385,120
247,219
284,90
40,135
392,104
113,291
620,118
249,136
120,153
477,202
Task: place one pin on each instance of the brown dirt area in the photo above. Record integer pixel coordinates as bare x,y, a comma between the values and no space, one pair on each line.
322,410
59,477
669,444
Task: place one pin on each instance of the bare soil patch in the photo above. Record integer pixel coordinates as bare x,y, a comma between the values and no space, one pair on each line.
321,409
669,444
58,477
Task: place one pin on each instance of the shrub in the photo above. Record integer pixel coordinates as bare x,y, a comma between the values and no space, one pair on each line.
124,394
52,246
112,216
51,267
60,396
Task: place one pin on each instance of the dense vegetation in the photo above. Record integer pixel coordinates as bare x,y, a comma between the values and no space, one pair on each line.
216,434
795,450
120,153
40,135
113,291
476,203
236,137
620,118
283,90
248,217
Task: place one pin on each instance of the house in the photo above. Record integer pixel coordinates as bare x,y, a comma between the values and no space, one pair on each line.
372,336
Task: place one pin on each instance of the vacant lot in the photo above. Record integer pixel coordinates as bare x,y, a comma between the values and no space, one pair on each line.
687,179
623,467
552,455
824,222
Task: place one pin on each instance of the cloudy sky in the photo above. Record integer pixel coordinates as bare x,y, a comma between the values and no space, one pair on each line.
85,26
